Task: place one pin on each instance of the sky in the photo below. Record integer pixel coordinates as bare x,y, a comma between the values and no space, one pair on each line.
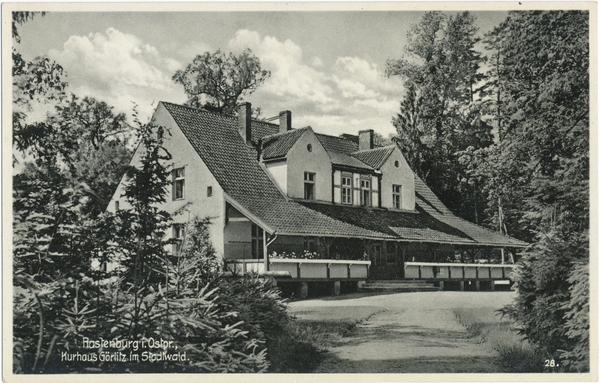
328,68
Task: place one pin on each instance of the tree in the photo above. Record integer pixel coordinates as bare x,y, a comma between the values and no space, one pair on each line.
220,81
59,297
539,171
99,146
439,116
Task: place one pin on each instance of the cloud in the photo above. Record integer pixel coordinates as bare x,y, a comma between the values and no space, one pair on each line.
291,79
118,68
343,97
350,95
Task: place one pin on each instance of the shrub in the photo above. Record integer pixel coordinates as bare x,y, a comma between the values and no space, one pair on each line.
296,348
577,320
547,298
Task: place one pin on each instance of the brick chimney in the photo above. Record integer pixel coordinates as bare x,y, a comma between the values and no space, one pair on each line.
285,121
244,121
365,139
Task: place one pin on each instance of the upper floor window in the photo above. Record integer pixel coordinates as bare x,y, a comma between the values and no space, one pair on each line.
347,189
178,183
257,242
397,196
365,192
309,185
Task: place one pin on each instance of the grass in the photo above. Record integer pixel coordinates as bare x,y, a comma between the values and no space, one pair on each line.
501,335
300,347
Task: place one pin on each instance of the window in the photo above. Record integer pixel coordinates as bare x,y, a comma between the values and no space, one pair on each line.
160,133
397,196
310,244
116,205
391,252
178,183
178,236
347,189
365,192
209,191
257,242
309,185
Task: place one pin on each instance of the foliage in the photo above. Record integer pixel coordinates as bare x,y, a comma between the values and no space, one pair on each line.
18,18
149,296
296,349
438,116
577,319
516,354
257,308
219,81
544,296
541,83
537,175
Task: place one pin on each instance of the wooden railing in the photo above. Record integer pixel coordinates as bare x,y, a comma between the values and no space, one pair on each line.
484,271
305,268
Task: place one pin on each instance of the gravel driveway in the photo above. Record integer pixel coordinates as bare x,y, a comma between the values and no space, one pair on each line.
405,333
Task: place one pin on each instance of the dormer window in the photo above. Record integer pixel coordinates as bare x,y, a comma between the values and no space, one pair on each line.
365,192
309,186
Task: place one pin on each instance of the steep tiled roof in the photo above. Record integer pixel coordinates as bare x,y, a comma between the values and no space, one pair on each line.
345,160
261,129
374,157
234,165
431,204
277,145
337,144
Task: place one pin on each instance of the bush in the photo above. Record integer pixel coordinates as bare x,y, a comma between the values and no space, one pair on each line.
577,320
296,348
550,311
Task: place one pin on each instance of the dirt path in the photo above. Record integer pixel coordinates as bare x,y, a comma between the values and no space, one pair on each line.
405,333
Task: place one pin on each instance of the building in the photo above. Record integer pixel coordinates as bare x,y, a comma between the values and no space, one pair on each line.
270,190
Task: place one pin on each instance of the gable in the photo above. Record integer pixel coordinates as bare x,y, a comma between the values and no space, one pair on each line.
278,145
396,172
374,157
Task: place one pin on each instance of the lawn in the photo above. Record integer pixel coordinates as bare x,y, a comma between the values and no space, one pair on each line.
501,334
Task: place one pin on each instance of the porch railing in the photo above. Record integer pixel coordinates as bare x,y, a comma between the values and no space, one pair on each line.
422,270
305,268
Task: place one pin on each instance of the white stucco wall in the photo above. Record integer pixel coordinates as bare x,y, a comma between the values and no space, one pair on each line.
196,202
278,172
300,160
401,175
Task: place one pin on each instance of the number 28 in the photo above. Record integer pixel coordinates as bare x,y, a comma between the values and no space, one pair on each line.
550,363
